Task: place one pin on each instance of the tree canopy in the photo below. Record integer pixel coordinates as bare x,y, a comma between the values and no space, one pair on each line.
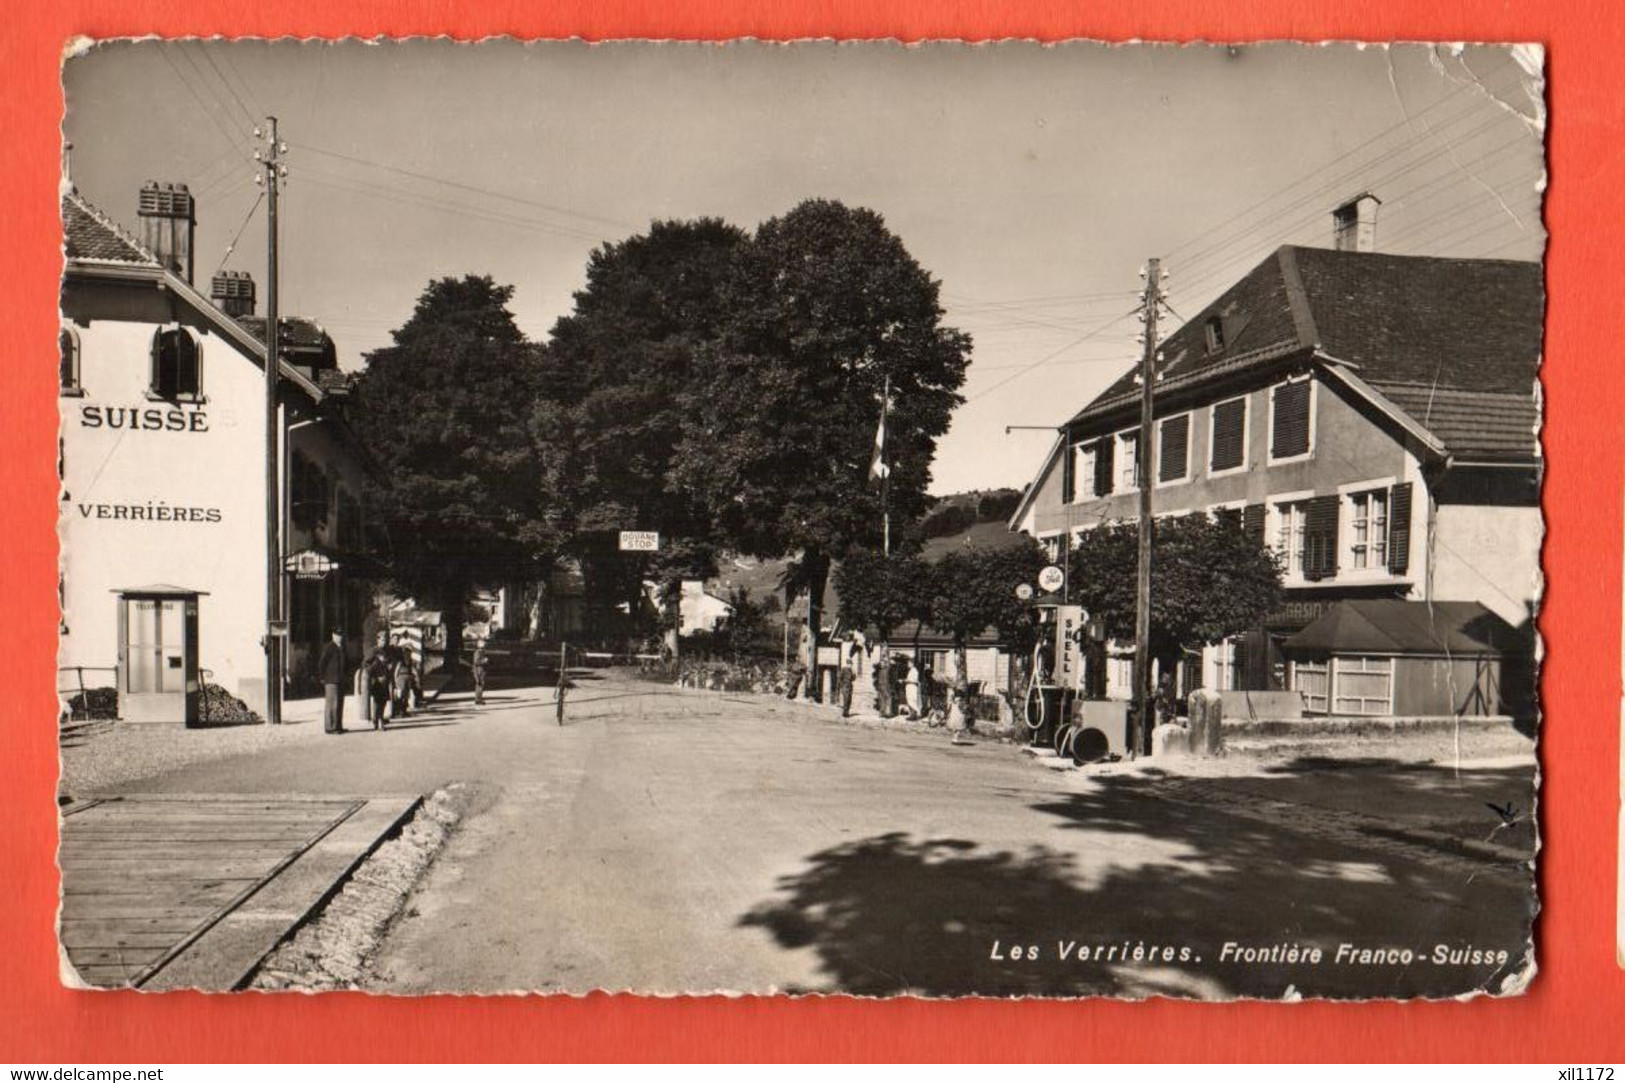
456,482
1210,580
824,306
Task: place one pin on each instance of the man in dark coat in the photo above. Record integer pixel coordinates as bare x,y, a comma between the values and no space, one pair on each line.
331,666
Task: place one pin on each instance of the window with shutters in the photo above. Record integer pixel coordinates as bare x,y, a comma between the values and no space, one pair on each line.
68,347
1083,470
1291,420
177,366
1103,465
1289,535
1128,462
1227,437
1173,450
1368,530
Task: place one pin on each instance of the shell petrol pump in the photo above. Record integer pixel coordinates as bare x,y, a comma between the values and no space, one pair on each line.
1054,705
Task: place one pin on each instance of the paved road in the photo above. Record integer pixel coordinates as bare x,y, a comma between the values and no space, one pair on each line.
670,842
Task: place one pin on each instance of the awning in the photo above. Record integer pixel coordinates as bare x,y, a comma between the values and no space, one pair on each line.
1386,626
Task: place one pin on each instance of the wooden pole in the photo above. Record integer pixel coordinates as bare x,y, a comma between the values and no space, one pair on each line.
1145,472
273,499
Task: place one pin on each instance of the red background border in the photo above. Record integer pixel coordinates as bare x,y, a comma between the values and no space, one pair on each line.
1575,1006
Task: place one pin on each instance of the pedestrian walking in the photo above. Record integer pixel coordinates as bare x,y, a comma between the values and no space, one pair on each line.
883,682
380,672
400,678
843,687
911,689
477,667
331,666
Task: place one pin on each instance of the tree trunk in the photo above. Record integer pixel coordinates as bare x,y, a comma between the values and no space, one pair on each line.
815,571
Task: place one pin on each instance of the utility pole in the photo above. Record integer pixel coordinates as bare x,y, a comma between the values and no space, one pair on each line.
1145,476
272,176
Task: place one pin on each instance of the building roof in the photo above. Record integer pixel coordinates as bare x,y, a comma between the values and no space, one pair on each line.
910,632
97,247
90,235
1385,626
1454,343
302,341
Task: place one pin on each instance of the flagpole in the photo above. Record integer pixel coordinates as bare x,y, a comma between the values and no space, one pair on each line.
885,473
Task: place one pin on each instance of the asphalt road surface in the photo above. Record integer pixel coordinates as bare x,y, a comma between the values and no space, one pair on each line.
666,841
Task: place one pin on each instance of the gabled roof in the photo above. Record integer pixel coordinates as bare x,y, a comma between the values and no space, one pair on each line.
96,247
1454,343
1384,626
90,235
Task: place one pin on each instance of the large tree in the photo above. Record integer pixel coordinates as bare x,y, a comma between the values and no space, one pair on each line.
824,306
882,591
1210,580
609,419
973,590
457,485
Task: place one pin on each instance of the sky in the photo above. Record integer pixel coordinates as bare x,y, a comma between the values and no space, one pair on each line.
1033,182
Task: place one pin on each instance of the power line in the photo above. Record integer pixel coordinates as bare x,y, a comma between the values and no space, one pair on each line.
1053,355
248,114
422,201
465,187
1405,123
239,234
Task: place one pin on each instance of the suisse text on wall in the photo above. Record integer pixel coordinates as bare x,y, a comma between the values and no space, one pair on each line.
143,419
151,512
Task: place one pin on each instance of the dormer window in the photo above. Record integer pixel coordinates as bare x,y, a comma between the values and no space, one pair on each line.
177,368
1215,335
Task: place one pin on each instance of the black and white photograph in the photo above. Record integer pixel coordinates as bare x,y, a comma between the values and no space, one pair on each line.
933,520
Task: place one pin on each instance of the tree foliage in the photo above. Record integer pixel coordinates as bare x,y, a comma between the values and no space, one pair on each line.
1210,580
610,417
824,306
881,591
975,589
456,487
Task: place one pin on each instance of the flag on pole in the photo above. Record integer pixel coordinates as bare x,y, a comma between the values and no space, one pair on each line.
877,464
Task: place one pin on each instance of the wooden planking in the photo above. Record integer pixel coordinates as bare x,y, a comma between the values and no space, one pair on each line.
143,875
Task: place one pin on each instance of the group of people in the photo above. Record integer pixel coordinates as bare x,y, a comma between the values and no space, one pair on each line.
901,683
392,676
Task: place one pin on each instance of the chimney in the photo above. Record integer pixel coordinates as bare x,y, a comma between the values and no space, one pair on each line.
1354,224
233,293
167,219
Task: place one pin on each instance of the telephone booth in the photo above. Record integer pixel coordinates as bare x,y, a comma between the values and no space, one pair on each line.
158,654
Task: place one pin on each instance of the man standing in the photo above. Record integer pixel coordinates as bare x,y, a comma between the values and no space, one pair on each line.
331,666
477,666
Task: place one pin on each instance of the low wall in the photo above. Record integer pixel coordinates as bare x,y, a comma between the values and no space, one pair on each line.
1262,705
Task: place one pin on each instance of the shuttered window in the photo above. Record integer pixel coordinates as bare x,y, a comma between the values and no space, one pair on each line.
1103,466
1399,528
1173,459
1320,537
1128,475
1229,435
1289,420
1252,523
1069,473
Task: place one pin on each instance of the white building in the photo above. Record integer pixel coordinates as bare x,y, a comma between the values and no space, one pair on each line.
163,463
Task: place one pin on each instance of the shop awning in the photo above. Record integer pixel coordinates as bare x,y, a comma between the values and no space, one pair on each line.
1385,626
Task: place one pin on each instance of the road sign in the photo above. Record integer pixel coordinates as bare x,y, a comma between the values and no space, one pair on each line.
1051,579
1025,592
640,541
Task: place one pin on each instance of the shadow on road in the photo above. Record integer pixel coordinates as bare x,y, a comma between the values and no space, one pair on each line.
894,914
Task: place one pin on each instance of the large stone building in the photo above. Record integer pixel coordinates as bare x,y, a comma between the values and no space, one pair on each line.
1373,418
163,467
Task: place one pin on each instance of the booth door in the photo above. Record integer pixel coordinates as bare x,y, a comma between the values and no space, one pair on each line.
155,649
